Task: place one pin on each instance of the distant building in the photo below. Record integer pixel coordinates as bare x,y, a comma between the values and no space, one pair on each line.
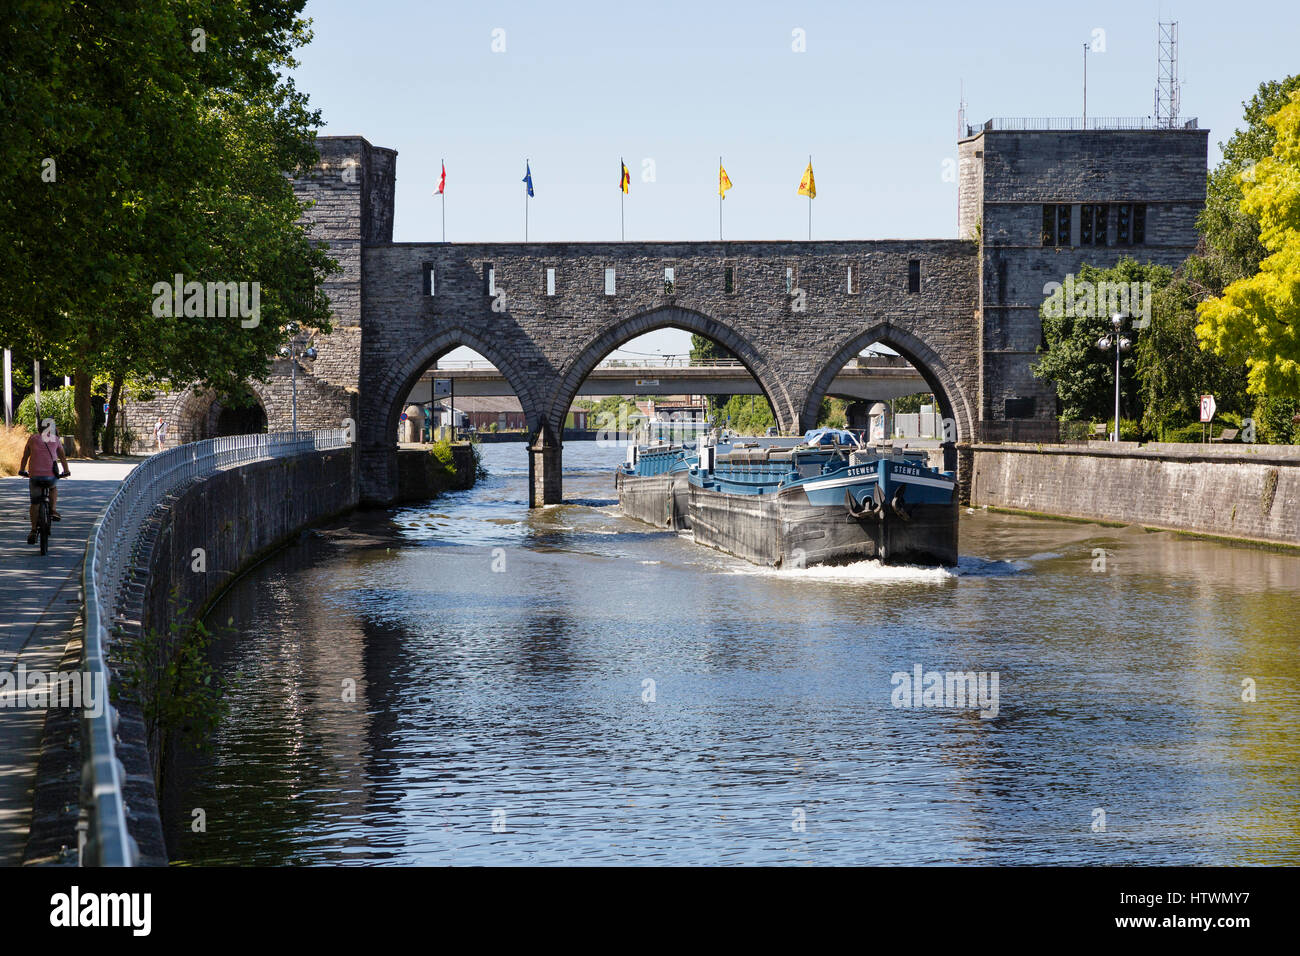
483,412
674,409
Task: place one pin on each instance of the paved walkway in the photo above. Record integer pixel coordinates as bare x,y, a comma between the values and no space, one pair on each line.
40,600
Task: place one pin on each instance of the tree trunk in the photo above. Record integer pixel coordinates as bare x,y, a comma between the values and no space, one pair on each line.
110,426
85,415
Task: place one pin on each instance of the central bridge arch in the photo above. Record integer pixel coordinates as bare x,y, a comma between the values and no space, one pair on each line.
624,330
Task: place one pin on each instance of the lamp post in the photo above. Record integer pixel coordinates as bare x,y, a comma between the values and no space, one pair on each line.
1121,344
292,354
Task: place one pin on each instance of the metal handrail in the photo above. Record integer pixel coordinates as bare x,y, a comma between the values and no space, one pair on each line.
1068,123
110,548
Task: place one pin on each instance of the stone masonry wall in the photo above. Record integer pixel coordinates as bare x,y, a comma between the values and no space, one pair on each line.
1239,491
235,516
1019,172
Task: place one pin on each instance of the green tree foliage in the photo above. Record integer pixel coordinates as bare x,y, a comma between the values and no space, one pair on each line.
1257,318
833,413
746,415
1231,233
910,404
706,350
143,139
1275,421
1084,375
1172,369
57,404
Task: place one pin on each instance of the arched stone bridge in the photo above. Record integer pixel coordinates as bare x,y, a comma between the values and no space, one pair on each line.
963,311
494,299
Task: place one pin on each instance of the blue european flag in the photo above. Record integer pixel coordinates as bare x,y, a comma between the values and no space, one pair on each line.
528,178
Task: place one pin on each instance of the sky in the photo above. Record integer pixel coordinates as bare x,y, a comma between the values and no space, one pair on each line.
668,87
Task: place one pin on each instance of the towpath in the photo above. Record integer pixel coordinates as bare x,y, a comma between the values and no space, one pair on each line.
40,601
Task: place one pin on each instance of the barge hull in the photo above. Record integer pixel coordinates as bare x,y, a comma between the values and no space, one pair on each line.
786,530
655,499
777,531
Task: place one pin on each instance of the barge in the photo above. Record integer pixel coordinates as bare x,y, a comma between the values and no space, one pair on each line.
826,500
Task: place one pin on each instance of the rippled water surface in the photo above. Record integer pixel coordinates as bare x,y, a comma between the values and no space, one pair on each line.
567,685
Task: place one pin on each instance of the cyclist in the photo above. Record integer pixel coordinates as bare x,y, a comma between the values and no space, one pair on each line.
44,453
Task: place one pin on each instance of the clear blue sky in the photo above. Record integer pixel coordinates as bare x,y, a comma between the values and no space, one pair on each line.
874,99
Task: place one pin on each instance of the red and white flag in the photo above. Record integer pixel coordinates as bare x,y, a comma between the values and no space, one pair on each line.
442,183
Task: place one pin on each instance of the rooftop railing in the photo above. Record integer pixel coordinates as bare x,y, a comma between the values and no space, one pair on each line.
110,552
1069,123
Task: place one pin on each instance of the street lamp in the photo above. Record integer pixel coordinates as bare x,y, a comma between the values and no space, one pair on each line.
1121,344
292,354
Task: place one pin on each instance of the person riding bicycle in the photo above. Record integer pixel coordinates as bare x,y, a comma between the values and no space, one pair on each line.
44,452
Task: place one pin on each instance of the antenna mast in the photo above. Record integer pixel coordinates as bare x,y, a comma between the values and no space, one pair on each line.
1166,107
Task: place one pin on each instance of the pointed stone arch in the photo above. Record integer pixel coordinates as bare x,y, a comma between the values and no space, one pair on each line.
381,404
943,382
627,328
189,409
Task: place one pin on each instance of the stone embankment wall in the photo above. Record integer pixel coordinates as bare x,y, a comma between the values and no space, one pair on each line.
234,517
1248,492
421,476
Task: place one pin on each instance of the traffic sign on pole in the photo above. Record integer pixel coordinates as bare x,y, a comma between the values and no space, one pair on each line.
1207,408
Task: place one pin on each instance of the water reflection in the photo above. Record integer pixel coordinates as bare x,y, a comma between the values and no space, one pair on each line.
504,663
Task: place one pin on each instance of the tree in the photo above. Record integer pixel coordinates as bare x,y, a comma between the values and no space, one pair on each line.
145,139
1173,371
1232,234
706,350
909,404
747,415
1257,318
832,413
1078,315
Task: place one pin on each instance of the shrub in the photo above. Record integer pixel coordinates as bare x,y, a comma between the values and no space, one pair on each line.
58,404
1195,431
1274,421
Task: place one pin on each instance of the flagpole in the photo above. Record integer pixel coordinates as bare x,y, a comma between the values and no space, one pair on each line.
622,229
719,199
810,203
527,168
443,193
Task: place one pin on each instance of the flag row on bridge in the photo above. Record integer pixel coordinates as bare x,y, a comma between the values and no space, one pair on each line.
807,185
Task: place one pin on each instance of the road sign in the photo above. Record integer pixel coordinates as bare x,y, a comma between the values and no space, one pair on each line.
646,382
1207,408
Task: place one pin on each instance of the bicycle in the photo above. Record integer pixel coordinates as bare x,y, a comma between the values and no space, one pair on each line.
44,521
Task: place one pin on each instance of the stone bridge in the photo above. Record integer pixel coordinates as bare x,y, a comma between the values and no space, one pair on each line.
546,335
963,311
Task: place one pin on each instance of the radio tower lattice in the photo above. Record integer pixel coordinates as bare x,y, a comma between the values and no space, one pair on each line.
1166,111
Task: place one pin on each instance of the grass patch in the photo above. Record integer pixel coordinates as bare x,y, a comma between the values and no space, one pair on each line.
12,441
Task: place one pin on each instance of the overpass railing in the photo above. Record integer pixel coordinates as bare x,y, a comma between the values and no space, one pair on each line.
110,549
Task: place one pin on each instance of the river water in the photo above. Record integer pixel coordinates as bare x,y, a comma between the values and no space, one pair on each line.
471,682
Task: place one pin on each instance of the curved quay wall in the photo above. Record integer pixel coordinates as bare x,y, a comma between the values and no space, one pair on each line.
1243,492
235,498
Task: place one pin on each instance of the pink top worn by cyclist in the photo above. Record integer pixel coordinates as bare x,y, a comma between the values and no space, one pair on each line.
41,457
